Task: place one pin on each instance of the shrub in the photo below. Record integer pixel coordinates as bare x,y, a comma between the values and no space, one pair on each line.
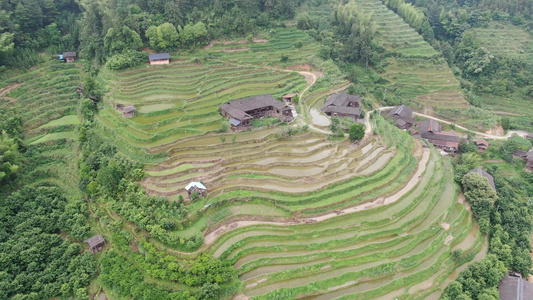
125,60
357,132
284,58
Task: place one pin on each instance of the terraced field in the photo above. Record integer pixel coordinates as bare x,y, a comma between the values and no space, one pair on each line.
307,217
48,102
417,72
182,100
508,41
387,251
299,215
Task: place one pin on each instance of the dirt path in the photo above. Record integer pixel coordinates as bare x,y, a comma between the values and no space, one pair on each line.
12,87
521,133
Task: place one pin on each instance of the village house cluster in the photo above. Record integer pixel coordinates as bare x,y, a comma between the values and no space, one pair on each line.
241,112
430,130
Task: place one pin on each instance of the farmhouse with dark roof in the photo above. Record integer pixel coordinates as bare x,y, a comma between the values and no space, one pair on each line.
514,287
69,56
482,145
343,105
529,160
126,111
241,112
96,243
159,59
431,130
403,115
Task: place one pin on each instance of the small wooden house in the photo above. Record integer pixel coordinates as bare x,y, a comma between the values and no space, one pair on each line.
159,59
129,111
403,115
69,56
196,188
482,145
343,105
431,130
288,98
96,243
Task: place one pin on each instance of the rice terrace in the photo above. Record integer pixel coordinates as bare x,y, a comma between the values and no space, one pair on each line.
312,149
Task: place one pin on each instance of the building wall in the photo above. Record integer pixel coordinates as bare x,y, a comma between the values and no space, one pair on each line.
160,62
70,59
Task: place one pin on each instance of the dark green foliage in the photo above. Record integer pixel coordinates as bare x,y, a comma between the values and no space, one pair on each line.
481,196
35,259
479,279
126,60
512,144
9,160
357,132
467,147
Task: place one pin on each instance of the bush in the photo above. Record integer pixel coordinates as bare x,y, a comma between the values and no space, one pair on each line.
357,132
284,58
126,60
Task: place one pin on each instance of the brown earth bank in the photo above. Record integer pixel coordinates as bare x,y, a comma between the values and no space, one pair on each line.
12,87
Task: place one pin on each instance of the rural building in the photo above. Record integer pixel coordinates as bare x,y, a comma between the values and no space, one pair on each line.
431,130
96,243
514,287
197,188
343,105
481,172
482,145
159,59
126,111
529,136
520,154
403,115
529,160
241,112
69,56
288,97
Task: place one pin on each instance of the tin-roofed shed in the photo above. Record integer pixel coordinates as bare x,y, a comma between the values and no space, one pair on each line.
159,58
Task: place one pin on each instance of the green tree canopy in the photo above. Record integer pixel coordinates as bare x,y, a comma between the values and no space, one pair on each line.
357,132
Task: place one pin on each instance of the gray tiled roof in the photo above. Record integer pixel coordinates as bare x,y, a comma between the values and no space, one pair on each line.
158,56
481,172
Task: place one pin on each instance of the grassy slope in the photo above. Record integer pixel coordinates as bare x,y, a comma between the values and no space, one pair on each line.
48,101
417,72
509,41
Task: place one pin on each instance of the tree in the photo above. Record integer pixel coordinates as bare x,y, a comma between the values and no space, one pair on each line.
164,36
9,159
6,46
357,132
481,196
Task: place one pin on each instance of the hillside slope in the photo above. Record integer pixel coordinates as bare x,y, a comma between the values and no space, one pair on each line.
416,71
